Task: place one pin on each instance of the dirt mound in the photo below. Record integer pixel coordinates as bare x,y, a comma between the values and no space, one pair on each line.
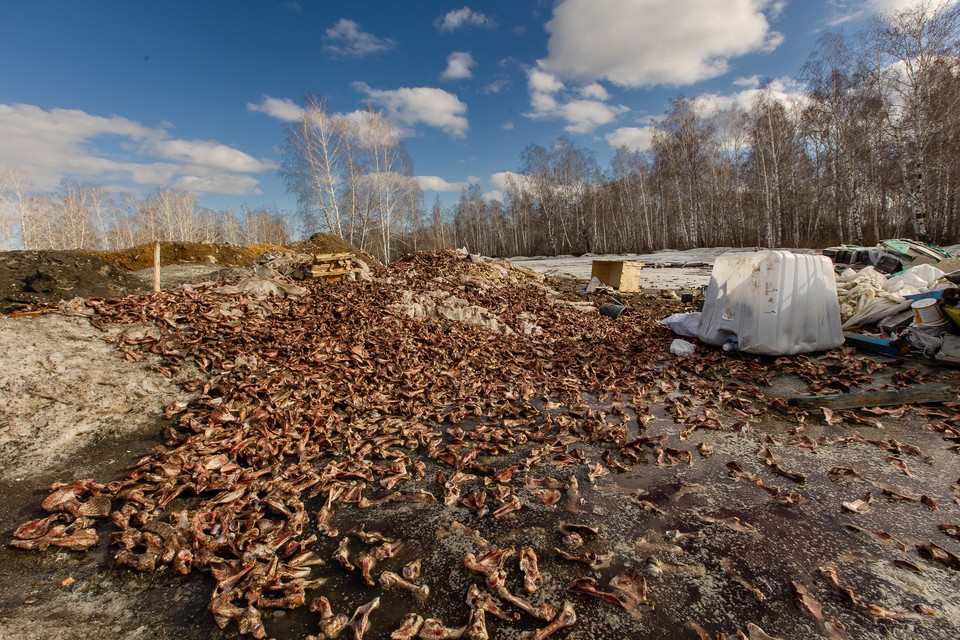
141,256
44,278
329,243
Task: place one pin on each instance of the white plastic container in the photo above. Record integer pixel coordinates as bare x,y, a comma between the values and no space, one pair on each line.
772,303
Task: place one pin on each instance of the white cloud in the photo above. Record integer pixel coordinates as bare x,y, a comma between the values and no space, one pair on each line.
453,20
784,89
496,86
542,82
347,39
224,183
210,154
595,91
633,138
409,106
283,109
638,43
501,180
459,66
550,99
850,10
507,126
52,144
751,82
436,183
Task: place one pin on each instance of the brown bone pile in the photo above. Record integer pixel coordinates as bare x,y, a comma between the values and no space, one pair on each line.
339,399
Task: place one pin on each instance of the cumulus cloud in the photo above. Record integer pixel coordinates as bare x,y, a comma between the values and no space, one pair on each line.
501,180
549,98
210,154
436,183
633,138
459,66
283,109
408,106
640,43
595,91
453,20
52,144
786,90
347,39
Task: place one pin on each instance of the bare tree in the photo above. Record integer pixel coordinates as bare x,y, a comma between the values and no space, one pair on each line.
917,42
16,201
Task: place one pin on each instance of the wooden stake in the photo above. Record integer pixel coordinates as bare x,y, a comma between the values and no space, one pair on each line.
156,266
858,399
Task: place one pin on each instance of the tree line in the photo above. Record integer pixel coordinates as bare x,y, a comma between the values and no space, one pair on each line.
870,150
85,215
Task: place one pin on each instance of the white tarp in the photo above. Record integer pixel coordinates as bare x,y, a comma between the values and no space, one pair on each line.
772,303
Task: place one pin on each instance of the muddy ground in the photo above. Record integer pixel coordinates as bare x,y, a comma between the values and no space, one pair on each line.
75,406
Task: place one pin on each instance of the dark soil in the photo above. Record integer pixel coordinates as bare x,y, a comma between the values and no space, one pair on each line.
43,278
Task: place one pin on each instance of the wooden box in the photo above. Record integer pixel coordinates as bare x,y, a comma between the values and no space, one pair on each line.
619,274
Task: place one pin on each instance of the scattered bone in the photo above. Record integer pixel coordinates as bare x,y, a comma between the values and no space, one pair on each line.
389,579
361,618
433,629
478,600
589,558
548,497
936,553
845,592
879,613
589,586
860,505
412,570
565,618
727,565
756,633
530,569
882,537
573,495
477,625
909,566
409,628
511,506
806,602
632,587
540,611
732,523
458,528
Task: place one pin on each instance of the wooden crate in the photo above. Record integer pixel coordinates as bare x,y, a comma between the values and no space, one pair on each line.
620,274
331,266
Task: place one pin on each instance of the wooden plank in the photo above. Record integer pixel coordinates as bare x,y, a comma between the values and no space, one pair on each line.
877,345
860,399
328,257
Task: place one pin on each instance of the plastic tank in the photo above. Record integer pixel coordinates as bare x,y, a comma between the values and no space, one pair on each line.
772,303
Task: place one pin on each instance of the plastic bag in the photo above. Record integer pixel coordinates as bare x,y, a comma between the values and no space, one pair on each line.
682,348
683,324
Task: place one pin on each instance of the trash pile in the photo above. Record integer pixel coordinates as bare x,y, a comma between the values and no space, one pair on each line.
891,256
916,309
352,466
782,303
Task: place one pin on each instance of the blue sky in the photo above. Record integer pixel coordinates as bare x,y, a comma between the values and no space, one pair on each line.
135,94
